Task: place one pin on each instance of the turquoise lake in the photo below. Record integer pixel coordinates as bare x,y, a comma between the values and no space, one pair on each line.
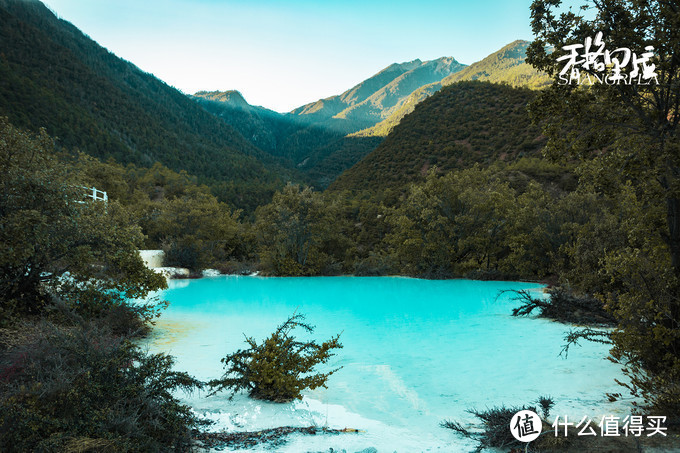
415,352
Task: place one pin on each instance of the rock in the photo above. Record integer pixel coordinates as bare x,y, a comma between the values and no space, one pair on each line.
211,273
172,272
152,258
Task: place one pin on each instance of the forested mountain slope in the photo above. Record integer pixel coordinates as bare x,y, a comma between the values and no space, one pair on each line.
463,124
53,76
318,154
507,65
311,138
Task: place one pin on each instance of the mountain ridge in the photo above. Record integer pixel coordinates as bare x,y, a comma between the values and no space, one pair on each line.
312,137
506,65
328,107
390,97
369,101
463,124
54,76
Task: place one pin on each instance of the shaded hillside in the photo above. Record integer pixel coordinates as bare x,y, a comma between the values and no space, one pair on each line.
53,76
262,127
504,66
311,139
327,163
463,124
316,153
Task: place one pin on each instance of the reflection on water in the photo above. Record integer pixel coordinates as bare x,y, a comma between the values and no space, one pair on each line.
168,331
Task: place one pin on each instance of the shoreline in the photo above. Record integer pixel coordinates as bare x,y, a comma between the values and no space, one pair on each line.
407,406
153,258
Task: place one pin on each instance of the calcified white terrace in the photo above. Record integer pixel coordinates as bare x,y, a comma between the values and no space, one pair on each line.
415,352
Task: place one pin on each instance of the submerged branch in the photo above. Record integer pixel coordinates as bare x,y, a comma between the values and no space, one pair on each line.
272,437
563,306
588,334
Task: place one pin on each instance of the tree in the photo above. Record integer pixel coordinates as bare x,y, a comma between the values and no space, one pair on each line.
299,233
626,137
279,368
70,378
196,231
56,244
629,127
452,224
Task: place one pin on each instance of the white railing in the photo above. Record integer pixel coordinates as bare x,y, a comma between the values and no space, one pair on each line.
95,194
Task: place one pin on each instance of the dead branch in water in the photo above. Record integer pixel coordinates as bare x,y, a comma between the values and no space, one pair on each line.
272,436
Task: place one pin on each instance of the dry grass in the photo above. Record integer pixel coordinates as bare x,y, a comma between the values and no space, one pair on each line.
87,444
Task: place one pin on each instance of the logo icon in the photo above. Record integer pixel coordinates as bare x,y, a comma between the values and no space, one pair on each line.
525,426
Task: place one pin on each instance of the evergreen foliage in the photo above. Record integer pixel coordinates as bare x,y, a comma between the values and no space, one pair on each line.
299,234
53,241
80,388
456,189
508,65
55,77
463,124
475,223
279,368
69,271
383,128
175,214
375,98
317,153
626,138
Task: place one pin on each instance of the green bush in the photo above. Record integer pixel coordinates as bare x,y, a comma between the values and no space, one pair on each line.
83,389
300,233
495,424
279,368
183,254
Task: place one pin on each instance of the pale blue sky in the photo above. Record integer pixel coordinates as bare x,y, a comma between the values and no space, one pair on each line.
282,54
